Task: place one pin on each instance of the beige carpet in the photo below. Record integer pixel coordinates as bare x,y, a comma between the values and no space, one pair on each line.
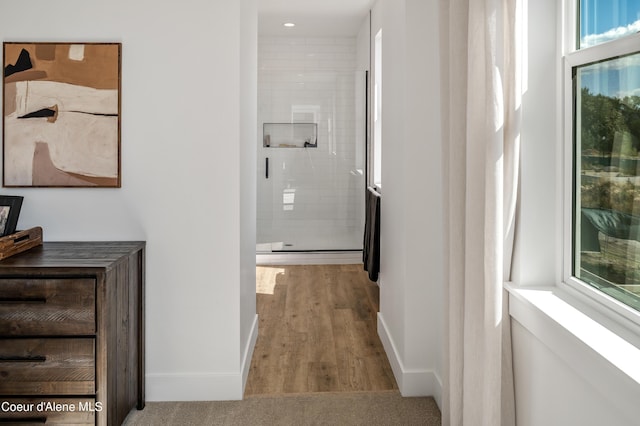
386,408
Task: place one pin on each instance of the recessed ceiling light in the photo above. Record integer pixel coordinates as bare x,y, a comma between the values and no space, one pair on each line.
289,25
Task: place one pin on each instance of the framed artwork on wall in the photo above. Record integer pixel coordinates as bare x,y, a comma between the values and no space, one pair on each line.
61,114
9,212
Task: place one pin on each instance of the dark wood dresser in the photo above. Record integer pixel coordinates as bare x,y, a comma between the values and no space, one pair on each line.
72,333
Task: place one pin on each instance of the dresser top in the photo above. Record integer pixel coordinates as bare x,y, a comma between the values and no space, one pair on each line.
85,254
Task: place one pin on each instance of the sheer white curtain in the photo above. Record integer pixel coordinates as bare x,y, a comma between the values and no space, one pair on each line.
481,57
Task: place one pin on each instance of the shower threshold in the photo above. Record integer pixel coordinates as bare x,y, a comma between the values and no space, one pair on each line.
287,256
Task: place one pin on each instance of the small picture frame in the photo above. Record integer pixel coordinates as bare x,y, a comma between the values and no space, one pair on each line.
9,212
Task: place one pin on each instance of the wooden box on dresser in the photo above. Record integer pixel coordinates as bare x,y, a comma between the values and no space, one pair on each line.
72,333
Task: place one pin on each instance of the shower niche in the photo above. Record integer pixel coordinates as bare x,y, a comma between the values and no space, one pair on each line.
290,135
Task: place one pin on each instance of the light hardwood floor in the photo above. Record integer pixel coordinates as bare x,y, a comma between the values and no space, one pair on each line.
317,332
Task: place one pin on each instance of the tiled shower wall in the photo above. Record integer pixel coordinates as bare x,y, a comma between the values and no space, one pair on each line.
313,198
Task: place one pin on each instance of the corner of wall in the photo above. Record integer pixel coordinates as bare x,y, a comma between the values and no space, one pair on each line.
204,386
248,352
194,387
410,382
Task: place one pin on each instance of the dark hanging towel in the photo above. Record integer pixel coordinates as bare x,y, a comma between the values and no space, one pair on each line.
371,246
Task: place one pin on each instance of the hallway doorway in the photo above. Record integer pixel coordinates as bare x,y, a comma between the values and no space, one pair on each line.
317,332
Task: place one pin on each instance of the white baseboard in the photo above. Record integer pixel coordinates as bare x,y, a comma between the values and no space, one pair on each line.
410,382
310,258
203,386
194,387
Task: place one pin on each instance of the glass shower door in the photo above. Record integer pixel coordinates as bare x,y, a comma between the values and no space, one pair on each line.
311,153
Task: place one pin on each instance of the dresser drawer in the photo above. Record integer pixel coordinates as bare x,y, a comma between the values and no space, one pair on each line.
49,411
47,366
39,307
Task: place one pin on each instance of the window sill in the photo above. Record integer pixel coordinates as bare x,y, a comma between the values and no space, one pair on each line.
604,353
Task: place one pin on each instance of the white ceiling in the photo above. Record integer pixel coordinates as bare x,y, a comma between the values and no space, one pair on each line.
312,17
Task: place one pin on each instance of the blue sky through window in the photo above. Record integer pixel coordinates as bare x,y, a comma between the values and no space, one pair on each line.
602,21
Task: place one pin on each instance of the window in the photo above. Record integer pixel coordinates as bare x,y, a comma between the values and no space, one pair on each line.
376,154
603,106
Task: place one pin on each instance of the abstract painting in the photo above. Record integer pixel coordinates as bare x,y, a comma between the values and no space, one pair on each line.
61,114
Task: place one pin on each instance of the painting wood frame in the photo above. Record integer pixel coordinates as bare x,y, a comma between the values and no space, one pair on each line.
10,206
61,114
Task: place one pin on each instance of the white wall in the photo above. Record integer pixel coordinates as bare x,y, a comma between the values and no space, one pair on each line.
186,95
248,118
411,274
551,392
538,256
559,380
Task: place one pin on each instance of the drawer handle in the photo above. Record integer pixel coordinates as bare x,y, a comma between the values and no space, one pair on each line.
29,358
8,300
23,420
